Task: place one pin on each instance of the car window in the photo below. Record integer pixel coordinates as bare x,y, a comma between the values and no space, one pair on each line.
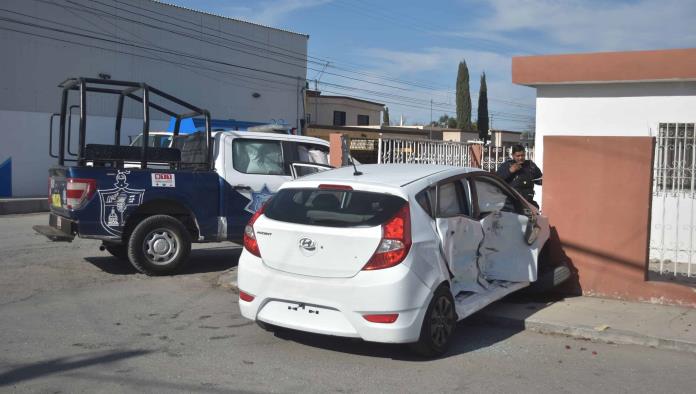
423,199
451,197
311,153
258,157
333,208
491,197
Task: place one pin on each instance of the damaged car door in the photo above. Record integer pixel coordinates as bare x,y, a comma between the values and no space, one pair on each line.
460,234
512,236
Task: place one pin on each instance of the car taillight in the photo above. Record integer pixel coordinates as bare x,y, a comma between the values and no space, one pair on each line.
385,318
250,243
395,243
245,296
78,191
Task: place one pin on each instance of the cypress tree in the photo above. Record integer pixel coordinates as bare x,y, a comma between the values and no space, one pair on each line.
463,97
385,117
482,119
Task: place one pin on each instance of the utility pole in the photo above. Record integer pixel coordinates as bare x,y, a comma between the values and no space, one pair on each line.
431,120
316,102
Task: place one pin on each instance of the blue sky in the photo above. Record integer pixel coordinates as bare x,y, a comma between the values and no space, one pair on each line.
415,46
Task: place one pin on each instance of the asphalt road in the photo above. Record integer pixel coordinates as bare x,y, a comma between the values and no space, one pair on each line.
74,319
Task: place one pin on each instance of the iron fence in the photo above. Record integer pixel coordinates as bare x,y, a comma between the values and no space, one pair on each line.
672,238
396,150
494,156
463,154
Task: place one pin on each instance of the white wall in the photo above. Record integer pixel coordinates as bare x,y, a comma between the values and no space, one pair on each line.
616,109
29,149
32,67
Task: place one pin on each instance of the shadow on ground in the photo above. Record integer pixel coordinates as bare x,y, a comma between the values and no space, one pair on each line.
64,364
471,335
201,261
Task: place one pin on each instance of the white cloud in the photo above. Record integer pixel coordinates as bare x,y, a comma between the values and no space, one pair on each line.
592,25
272,13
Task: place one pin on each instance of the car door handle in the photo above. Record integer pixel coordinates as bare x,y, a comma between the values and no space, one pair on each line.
241,187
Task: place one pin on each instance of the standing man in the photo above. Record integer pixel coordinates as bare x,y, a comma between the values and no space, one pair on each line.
521,174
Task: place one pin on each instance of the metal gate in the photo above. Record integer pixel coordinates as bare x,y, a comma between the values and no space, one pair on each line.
396,150
494,156
672,236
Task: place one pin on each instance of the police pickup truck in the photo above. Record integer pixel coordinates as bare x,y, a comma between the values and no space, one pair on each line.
148,204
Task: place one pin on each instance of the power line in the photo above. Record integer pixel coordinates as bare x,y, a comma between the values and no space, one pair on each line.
176,53
302,59
124,52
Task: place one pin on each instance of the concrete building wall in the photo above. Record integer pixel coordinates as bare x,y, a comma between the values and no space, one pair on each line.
599,224
614,109
321,110
165,46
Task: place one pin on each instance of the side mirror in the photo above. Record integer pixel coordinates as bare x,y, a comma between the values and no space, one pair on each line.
531,233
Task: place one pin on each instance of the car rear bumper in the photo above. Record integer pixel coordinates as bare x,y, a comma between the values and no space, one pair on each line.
335,306
59,229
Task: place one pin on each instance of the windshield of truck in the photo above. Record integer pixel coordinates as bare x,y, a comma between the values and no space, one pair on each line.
333,208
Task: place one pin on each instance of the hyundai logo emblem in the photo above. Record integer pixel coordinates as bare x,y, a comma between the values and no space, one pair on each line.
308,244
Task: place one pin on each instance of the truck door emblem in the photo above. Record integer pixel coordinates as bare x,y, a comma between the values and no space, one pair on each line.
258,198
307,246
115,202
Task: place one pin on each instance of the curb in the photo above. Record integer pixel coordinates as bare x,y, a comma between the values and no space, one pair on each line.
609,336
13,206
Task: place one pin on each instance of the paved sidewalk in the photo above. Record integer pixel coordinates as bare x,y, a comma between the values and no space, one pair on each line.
596,319
602,320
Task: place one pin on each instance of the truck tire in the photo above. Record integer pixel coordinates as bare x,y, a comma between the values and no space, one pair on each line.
159,245
120,251
439,324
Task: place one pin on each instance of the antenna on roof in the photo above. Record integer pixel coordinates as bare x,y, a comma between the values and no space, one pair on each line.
356,172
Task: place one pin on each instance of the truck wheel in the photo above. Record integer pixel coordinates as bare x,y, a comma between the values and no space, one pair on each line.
159,245
439,324
120,251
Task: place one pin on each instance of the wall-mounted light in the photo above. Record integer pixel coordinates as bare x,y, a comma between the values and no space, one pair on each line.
104,76
256,95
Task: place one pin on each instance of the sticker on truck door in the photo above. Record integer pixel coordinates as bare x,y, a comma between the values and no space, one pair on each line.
115,202
160,179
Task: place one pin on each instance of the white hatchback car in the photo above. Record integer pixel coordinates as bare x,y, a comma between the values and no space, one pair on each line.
396,254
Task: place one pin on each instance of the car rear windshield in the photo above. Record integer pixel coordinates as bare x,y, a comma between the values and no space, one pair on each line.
333,208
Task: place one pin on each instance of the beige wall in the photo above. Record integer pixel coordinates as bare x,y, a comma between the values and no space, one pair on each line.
322,110
459,136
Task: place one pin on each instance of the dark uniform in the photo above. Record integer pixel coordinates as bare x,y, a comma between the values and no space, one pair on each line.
522,180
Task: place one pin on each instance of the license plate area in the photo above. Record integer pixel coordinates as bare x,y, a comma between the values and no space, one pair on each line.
60,223
304,308
307,317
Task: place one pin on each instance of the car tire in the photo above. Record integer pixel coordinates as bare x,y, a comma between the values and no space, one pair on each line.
439,324
120,251
159,245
